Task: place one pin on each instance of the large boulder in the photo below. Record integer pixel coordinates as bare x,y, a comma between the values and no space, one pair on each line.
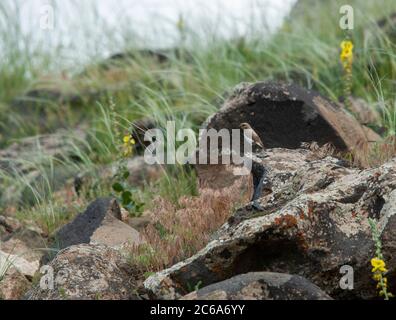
99,224
85,272
313,222
284,116
260,286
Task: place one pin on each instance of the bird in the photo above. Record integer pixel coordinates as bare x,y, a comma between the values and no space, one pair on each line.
259,171
255,139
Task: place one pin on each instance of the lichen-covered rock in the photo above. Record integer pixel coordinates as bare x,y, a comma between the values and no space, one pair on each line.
86,272
260,286
313,222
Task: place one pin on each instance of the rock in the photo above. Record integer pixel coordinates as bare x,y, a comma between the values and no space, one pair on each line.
33,99
122,58
260,286
139,223
313,222
284,116
99,224
25,267
139,130
13,284
26,244
140,172
388,26
10,224
32,159
363,112
160,56
86,271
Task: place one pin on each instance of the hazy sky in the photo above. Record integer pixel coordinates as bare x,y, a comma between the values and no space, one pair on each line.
153,22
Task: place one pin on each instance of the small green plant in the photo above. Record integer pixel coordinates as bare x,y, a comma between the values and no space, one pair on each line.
125,193
379,267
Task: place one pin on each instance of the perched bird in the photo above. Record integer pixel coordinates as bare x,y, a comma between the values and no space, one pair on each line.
255,140
259,172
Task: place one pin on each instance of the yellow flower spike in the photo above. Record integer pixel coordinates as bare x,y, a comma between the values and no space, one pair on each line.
379,267
346,59
127,145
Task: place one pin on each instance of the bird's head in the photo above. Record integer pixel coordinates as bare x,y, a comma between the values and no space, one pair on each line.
245,126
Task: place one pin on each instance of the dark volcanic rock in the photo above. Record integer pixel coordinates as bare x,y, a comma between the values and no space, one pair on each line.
99,224
286,115
260,286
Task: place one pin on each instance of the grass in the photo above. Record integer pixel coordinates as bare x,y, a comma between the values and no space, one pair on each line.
106,98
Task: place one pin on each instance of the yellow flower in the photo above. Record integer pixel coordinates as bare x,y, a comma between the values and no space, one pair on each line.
378,265
347,45
127,146
346,54
127,138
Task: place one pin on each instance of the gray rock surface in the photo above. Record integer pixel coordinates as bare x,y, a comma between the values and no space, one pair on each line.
87,272
260,286
313,222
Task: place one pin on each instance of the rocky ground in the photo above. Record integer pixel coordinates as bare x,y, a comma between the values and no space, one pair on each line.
309,221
